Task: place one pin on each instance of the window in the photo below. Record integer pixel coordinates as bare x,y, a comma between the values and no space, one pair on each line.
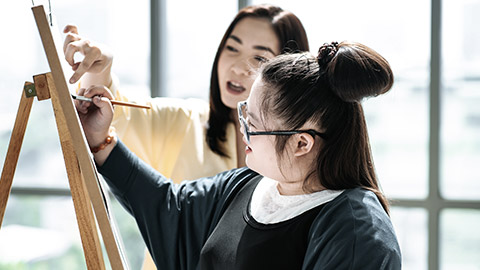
190,54
459,138
425,133
460,96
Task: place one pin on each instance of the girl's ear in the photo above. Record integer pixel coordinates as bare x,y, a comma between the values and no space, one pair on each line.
304,144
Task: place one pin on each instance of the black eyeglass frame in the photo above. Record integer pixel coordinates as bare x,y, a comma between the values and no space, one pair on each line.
249,133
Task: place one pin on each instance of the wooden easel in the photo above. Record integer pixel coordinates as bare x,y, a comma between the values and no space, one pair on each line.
83,178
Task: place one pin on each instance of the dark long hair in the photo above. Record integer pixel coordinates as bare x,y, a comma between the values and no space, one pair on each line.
292,38
327,90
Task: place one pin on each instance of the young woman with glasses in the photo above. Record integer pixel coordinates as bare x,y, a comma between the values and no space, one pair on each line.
308,198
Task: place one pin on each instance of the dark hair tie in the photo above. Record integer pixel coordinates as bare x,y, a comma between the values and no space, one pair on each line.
326,53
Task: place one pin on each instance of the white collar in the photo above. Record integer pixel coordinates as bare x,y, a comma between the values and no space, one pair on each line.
269,206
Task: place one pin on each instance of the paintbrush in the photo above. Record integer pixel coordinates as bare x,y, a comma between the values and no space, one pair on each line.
114,102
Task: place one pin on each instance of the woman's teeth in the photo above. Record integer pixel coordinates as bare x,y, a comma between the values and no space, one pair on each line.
236,86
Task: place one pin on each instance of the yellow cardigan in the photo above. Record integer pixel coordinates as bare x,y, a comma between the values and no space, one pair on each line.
171,137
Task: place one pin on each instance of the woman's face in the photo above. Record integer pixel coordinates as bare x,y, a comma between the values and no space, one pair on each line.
251,42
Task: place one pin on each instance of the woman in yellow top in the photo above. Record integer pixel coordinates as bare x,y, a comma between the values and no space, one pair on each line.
193,133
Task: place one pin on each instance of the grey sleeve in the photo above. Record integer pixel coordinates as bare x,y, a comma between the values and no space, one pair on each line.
174,220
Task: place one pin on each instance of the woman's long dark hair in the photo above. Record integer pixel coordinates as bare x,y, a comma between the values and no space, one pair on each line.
327,90
292,38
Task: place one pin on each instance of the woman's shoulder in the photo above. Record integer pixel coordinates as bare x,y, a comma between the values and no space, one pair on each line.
160,103
175,111
186,106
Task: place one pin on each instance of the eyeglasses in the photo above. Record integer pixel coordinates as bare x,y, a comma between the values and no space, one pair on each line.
242,106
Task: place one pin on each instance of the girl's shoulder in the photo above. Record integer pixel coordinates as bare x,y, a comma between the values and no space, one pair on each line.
355,226
357,204
358,215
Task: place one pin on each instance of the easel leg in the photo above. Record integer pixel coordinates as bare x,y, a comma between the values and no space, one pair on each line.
13,152
81,200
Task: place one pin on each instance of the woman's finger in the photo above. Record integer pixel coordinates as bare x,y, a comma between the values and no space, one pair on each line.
92,55
69,38
71,49
70,28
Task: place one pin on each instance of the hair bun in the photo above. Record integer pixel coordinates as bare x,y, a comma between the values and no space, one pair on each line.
325,54
356,71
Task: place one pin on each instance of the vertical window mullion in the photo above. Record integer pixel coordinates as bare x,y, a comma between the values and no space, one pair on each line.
158,32
434,197
243,3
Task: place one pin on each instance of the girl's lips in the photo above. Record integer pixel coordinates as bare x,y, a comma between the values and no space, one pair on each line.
247,148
